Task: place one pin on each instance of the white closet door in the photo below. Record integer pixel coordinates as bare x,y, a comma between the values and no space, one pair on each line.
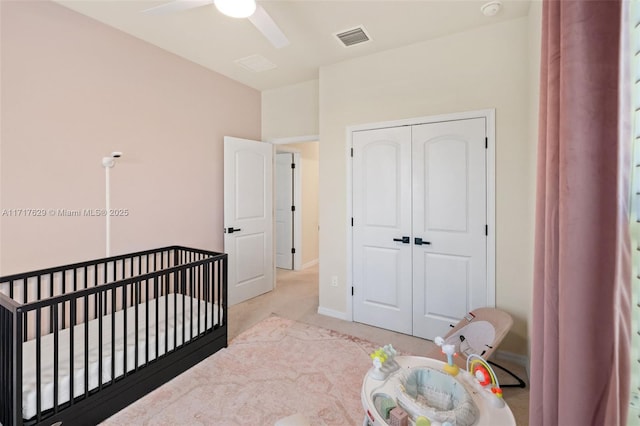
382,216
449,215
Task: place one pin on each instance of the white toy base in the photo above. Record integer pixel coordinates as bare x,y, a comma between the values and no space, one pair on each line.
491,409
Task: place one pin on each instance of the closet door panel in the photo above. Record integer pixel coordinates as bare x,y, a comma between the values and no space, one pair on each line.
446,207
382,214
445,279
449,215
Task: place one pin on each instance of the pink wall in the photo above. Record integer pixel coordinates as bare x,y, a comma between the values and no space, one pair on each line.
72,91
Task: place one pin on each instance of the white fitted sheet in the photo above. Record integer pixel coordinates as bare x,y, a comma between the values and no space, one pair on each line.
29,397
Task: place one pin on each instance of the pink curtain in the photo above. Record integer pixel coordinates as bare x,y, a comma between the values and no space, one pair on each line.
581,304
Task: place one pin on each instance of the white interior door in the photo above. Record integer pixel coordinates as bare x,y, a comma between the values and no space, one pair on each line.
284,213
449,215
382,219
248,217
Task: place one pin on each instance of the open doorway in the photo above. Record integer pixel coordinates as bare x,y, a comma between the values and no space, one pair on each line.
296,195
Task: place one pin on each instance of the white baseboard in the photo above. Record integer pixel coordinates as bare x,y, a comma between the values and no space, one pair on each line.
310,264
332,313
518,359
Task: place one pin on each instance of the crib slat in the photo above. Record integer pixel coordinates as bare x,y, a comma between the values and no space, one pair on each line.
5,361
64,305
215,278
25,292
146,328
38,363
97,295
10,364
213,266
86,346
136,302
223,287
104,294
124,330
175,310
19,322
166,314
146,331
183,274
113,336
72,351
198,294
131,272
191,287
50,310
100,344
56,346
159,288
205,290
211,292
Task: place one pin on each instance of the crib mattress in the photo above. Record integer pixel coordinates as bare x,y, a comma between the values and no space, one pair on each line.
169,324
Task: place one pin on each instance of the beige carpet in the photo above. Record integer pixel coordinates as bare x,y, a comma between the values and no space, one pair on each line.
273,370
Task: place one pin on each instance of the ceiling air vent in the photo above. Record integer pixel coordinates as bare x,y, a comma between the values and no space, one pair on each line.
256,63
353,36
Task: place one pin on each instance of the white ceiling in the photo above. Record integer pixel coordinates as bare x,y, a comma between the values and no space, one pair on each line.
208,38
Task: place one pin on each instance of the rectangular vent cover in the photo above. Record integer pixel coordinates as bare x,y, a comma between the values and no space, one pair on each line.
256,63
353,36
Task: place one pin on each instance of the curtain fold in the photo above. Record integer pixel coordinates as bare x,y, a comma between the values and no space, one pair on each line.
581,308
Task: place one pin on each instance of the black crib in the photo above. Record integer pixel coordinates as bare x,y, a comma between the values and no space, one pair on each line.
136,320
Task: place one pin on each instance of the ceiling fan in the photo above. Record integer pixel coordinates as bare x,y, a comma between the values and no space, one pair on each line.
235,9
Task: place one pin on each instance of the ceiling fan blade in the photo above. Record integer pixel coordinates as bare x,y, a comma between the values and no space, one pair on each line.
268,28
176,6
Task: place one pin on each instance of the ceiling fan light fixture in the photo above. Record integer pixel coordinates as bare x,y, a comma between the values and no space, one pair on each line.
236,8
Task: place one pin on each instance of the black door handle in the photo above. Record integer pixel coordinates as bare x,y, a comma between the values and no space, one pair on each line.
404,240
419,242
232,230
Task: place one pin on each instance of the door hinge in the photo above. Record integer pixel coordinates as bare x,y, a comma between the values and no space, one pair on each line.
293,208
293,251
293,165
486,143
486,230
351,152
352,291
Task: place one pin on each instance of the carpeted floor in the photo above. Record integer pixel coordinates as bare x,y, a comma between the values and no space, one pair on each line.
275,369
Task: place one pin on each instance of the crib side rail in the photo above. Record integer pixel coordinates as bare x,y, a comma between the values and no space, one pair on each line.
144,297
10,362
58,303
45,284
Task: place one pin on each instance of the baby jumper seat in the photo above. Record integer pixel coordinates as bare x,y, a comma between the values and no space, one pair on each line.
421,391
424,391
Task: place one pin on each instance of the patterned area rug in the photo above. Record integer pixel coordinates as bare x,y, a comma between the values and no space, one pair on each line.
274,370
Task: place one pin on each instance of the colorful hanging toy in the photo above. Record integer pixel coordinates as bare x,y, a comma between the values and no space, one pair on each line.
482,371
383,362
